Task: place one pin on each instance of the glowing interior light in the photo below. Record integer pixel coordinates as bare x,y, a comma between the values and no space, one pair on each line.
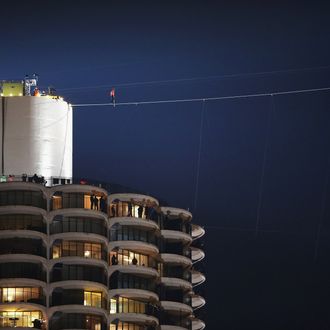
20,94
10,94
87,253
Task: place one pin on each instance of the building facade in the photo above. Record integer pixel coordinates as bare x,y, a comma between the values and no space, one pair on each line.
73,256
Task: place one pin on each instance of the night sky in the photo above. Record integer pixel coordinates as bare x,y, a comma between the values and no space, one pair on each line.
277,277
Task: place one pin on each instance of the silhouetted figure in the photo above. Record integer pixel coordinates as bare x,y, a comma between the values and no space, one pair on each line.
96,203
146,212
35,178
140,211
92,201
43,181
134,261
113,210
114,260
130,207
24,177
36,324
103,205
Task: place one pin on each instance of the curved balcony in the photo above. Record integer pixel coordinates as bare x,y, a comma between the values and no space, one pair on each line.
176,283
197,277
197,324
72,269
22,267
133,205
196,254
135,318
23,194
197,301
139,247
22,282
16,218
132,293
78,285
175,259
79,196
134,270
197,231
10,245
76,318
175,300
78,221
145,224
176,308
175,235
173,213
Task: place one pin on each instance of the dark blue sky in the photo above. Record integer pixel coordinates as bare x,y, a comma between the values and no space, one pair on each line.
267,281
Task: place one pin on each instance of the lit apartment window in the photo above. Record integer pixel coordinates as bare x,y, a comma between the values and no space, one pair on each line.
92,250
126,257
77,249
57,202
18,294
87,202
56,252
93,299
93,322
125,305
113,306
19,319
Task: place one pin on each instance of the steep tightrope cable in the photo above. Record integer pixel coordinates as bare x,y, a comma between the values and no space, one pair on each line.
217,98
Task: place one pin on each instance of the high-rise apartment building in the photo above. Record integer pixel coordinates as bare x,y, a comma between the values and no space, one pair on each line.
74,256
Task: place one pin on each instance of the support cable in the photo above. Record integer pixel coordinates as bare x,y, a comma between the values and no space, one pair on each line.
199,154
323,207
264,160
193,79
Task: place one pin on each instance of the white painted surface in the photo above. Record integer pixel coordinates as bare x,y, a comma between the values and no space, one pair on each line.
37,137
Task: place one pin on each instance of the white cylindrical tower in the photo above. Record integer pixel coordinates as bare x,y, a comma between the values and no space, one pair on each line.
36,136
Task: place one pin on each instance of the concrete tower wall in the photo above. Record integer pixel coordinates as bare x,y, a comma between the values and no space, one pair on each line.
36,136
